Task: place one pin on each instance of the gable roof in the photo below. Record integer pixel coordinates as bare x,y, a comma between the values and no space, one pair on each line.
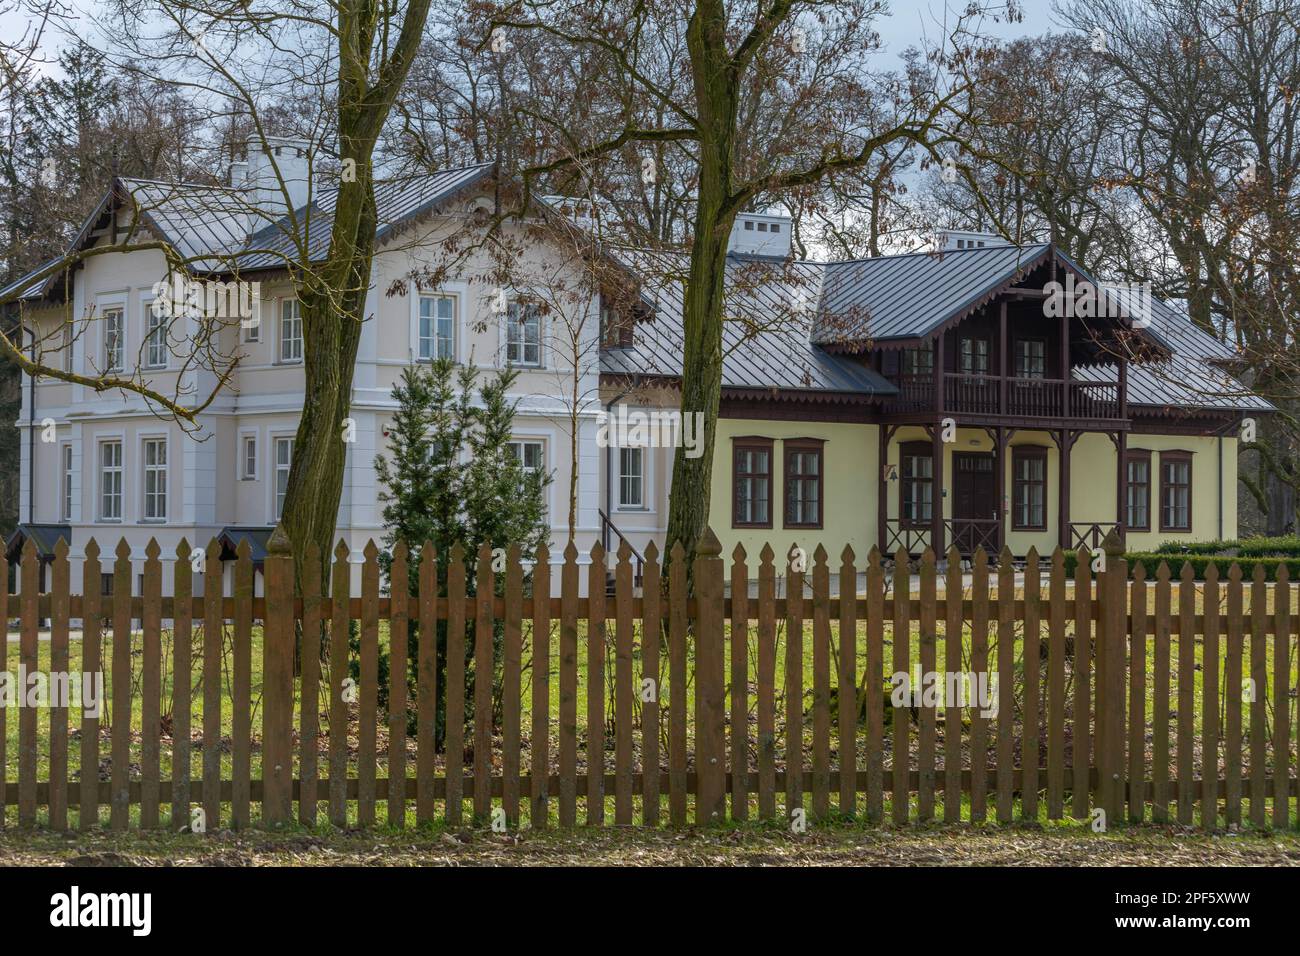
769,345
913,295
766,336
211,224
397,201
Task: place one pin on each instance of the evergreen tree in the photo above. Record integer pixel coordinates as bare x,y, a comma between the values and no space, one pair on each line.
450,477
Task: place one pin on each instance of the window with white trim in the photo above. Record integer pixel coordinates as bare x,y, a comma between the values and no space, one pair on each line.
65,491
155,479
155,338
436,331
523,334
248,458
283,459
530,454
114,346
631,478
290,331
110,480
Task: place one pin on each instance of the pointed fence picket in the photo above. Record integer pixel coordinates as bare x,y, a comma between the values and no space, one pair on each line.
767,691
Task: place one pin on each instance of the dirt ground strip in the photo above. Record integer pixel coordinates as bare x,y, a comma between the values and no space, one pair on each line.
732,846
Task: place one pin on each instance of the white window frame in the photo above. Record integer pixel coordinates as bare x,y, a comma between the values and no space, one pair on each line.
274,469
644,504
108,364
253,333
159,472
241,463
542,438
523,440
435,338
66,466
295,309
102,471
153,335
512,325
68,339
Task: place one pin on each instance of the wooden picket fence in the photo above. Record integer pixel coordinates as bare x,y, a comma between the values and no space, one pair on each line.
1087,693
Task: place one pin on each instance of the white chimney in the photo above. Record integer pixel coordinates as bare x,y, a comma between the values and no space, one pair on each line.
760,234
289,157
945,240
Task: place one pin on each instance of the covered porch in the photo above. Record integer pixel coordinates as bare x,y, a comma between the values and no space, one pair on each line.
985,486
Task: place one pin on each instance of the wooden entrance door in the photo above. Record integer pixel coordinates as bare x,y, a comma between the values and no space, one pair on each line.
974,505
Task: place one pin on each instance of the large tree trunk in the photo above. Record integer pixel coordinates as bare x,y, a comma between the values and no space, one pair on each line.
333,293
333,303
702,310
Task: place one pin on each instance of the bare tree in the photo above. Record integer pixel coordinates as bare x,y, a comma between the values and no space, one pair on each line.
836,115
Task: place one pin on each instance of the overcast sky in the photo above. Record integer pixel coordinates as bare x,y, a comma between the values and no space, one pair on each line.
912,20
909,22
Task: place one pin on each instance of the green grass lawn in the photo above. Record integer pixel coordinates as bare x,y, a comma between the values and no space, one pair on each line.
728,845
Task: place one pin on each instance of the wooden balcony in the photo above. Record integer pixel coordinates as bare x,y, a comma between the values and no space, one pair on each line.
1020,398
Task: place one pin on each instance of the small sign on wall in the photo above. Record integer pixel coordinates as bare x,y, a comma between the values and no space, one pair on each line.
888,472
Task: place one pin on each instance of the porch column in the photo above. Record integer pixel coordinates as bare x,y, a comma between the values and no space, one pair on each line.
1123,387
882,499
1002,357
1063,491
936,449
1000,462
1064,333
1121,481
936,494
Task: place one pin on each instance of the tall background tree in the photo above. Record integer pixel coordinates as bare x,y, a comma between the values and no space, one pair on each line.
747,104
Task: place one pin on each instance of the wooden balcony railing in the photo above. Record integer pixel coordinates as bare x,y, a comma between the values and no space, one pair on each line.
1050,398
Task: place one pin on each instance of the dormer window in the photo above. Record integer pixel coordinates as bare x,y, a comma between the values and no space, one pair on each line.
918,362
615,325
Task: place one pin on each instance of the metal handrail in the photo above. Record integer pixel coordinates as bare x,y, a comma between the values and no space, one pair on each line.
638,560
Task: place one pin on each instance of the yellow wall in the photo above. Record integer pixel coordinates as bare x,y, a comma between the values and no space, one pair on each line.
853,481
851,477
1094,459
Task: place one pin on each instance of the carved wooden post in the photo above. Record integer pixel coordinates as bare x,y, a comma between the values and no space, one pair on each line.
1112,653
277,678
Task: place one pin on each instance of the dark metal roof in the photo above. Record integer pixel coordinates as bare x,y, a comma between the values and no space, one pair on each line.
1179,382
397,200
219,230
196,220
257,538
910,296
36,291
766,336
770,342
45,537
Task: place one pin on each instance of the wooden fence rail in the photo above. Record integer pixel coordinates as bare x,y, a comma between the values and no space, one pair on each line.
1012,693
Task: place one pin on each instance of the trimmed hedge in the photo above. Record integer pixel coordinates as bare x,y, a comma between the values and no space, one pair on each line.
1199,562
1287,546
